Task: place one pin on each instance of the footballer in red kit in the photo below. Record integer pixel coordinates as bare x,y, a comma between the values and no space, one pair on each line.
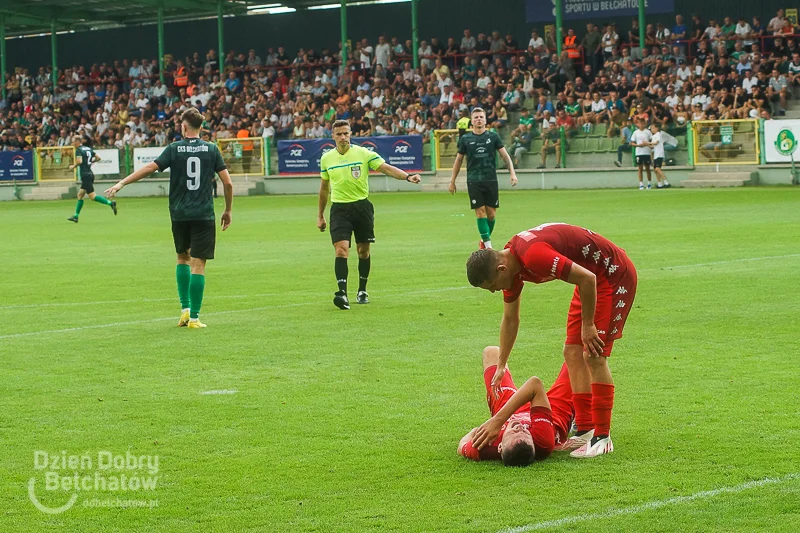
526,423
605,286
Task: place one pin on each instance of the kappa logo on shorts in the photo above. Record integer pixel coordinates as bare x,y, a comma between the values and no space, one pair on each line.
614,331
355,171
618,317
585,250
620,304
612,269
622,290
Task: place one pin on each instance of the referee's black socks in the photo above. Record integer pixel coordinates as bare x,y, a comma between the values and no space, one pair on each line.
340,268
363,273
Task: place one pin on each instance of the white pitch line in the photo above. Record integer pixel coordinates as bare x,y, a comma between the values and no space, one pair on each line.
222,391
657,504
726,262
213,313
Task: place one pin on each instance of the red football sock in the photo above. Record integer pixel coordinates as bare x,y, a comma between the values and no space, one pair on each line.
602,404
583,411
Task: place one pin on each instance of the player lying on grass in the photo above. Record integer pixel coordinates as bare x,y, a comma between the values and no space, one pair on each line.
526,424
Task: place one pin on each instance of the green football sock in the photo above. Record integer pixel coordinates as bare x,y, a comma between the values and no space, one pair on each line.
78,208
183,273
197,284
483,229
102,200
491,225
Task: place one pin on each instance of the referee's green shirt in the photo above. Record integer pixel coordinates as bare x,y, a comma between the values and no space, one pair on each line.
348,173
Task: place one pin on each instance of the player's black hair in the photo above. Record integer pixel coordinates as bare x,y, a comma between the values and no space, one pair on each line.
481,266
340,124
520,454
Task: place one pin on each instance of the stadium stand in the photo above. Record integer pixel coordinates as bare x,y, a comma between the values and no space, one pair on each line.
728,71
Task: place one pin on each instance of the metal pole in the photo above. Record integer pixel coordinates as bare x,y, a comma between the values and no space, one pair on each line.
642,44
559,23
54,53
3,53
343,22
220,36
161,42
414,34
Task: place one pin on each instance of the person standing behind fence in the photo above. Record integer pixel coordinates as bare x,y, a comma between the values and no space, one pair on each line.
84,158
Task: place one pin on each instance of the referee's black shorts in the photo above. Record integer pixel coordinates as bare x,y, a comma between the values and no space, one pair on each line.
87,182
198,237
483,193
353,218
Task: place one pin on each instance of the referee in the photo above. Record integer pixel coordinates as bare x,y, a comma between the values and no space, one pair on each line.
479,147
84,157
345,176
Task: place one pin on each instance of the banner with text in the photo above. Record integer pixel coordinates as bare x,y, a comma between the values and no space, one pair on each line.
143,156
780,140
108,164
301,156
545,10
16,166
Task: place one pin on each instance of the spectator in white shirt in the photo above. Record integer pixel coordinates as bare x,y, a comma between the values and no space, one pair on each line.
426,56
743,31
640,140
81,95
749,81
383,52
536,43
657,142
700,98
467,42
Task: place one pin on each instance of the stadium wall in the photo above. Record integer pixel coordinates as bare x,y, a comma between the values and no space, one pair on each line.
442,18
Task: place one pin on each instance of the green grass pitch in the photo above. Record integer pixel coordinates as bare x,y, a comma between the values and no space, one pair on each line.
349,421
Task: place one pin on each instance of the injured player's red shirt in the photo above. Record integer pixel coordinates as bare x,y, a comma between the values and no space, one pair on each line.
538,420
547,252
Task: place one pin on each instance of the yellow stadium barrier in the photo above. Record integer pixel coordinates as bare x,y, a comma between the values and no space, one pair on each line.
445,148
726,142
52,163
244,156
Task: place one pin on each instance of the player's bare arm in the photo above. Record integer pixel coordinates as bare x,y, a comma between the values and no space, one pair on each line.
532,391
78,162
509,327
456,169
324,192
143,172
227,187
398,174
509,165
587,287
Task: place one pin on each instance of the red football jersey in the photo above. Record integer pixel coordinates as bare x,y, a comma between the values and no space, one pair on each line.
538,420
547,252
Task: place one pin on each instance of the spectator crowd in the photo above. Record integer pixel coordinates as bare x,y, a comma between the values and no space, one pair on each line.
692,71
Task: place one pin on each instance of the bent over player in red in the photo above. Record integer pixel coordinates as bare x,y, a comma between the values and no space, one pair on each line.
605,281
526,424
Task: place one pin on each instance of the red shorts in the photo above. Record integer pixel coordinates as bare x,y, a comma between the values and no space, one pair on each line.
560,397
507,390
614,302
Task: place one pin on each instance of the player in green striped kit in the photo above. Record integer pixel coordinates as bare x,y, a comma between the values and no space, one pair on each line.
84,157
345,175
479,147
192,163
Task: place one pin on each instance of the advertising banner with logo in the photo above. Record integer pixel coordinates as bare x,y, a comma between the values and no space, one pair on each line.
780,140
301,156
108,164
142,156
16,166
545,10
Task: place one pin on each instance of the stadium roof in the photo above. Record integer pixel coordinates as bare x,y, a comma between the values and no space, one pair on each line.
31,17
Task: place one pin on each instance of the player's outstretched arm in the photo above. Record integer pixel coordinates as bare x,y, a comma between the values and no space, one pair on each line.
143,172
587,288
509,165
324,191
508,336
227,188
456,169
532,391
398,174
